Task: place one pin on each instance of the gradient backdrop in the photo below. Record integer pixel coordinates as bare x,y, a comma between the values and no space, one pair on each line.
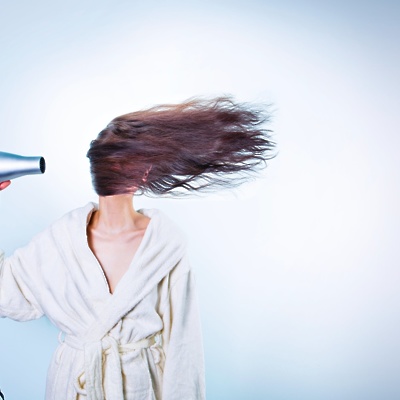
298,274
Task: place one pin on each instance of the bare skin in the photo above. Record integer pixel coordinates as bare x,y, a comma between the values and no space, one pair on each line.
4,184
114,234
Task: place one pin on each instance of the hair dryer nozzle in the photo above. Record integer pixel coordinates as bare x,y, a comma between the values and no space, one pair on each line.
13,166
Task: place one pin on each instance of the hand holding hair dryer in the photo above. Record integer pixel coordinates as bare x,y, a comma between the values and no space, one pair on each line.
13,166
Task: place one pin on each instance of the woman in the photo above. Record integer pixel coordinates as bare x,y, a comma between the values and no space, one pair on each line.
116,281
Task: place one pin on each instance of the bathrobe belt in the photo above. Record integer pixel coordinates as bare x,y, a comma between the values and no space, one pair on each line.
94,353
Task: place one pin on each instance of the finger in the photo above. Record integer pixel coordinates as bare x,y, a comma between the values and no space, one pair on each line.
4,184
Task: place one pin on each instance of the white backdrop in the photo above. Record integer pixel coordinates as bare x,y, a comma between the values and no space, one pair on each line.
298,273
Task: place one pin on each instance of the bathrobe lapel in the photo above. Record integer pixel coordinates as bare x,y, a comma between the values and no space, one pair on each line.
157,255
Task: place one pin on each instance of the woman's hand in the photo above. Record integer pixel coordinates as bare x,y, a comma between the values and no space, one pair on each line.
4,184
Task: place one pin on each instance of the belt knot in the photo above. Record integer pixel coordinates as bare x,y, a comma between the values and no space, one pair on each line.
90,381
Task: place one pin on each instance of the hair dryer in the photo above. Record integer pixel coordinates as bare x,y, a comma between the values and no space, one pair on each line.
13,166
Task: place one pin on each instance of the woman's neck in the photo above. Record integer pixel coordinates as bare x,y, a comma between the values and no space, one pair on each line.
115,215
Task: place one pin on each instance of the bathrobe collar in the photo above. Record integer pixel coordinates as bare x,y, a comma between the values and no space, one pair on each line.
161,248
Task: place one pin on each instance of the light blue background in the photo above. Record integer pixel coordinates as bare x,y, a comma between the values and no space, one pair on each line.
298,273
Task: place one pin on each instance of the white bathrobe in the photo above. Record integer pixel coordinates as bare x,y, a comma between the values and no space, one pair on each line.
143,342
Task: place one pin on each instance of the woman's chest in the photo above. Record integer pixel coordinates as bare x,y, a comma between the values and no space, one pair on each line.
115,255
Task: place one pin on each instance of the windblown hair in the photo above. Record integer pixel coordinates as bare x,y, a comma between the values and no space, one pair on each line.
197,145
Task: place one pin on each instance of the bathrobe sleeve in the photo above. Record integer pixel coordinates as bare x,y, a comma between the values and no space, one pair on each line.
17,300
182,341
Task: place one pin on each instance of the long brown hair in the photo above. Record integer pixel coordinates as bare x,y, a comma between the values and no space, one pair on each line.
197,145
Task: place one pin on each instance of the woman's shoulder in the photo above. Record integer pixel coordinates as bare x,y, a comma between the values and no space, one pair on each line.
78,216
163,223
69,223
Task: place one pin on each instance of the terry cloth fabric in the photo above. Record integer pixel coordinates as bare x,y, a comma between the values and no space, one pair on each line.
143,342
